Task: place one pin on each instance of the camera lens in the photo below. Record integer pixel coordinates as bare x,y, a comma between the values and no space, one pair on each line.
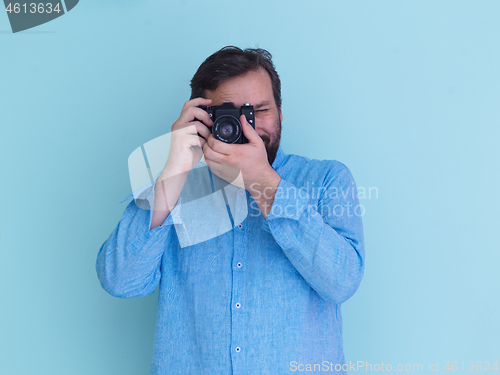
227,129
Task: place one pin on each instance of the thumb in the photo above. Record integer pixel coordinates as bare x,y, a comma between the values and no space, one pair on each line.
248,130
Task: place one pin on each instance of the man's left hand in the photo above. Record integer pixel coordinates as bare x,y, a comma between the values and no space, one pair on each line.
244,165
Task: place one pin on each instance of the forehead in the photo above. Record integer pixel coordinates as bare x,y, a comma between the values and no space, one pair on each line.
253,87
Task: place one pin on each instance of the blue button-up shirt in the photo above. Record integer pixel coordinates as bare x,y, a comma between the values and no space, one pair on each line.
258,297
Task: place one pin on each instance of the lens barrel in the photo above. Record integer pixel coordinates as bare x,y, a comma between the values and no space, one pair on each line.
227,129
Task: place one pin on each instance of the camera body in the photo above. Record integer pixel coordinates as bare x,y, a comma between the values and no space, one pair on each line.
227,127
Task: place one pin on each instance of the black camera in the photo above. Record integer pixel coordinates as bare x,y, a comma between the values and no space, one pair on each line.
227,127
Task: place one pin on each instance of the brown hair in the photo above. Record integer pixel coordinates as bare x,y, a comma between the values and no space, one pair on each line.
230,62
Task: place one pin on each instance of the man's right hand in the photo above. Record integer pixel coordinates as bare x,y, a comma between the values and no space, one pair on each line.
186,150
186,146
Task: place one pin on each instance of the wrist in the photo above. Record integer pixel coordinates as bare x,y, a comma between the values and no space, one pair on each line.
174,169
264,190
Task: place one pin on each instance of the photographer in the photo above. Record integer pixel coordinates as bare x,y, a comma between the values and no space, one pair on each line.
266,292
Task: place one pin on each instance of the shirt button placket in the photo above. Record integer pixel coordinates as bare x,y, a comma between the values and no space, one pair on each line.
238,297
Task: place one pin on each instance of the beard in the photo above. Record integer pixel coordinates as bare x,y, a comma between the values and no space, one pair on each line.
272,147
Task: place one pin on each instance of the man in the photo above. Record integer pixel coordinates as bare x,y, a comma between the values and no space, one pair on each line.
263,297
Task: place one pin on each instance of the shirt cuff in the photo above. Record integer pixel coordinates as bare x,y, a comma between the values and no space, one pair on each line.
290,202
143,193
173,218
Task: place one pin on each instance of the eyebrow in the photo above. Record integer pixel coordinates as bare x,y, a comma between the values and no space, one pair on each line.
263,104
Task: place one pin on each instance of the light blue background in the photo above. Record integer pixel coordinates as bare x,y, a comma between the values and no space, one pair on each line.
405,93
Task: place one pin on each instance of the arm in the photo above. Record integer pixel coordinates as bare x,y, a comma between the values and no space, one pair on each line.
128,262
327,249
168,188
322,238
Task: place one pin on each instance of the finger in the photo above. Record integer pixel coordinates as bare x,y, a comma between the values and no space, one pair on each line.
194,128
202,129
196,102
213,155
196,114
249,131
219,146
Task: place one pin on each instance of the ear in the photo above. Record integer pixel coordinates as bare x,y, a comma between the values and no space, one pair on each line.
281,114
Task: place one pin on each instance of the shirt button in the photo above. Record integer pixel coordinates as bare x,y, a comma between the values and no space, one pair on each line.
237,349
240,226
238,305
242,191
239,264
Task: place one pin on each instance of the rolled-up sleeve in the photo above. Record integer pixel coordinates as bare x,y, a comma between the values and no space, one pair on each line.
128,262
